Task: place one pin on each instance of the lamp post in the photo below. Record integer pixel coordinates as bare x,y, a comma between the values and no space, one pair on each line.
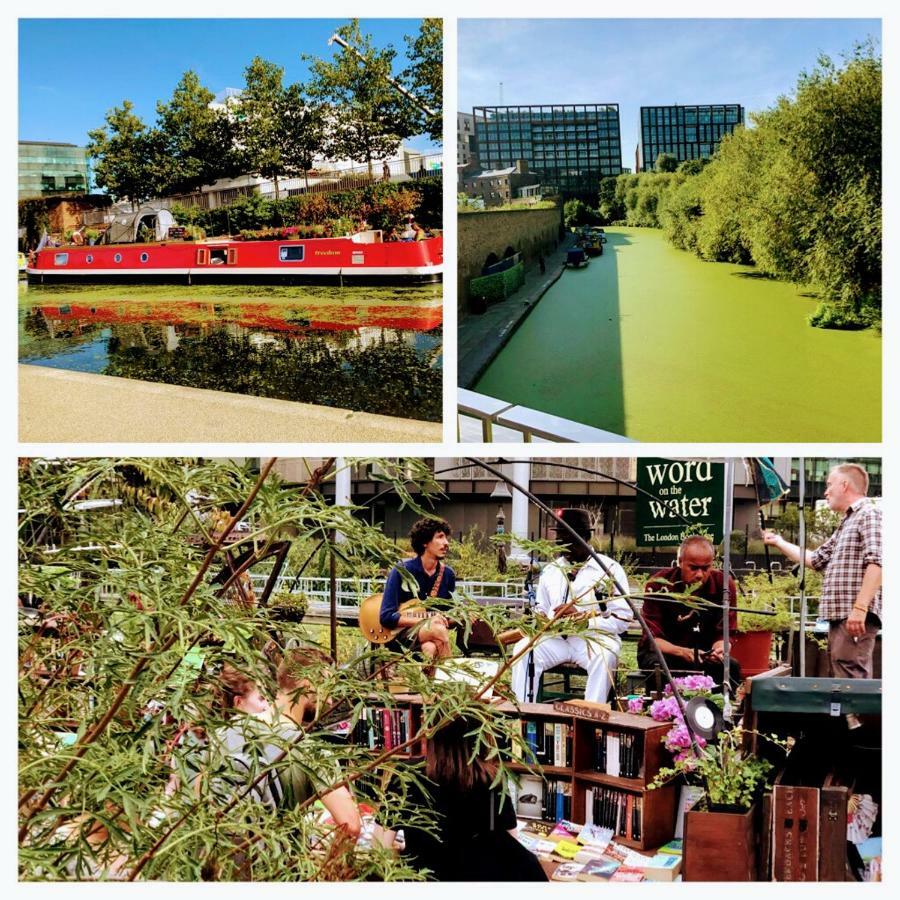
501,529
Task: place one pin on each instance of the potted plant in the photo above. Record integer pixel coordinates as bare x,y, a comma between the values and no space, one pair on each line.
720,833
289,607
751,646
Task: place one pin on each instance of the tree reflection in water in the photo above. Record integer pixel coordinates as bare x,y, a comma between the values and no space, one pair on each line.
382,373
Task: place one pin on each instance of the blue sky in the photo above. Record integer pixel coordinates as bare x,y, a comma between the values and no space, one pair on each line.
71,72
641,62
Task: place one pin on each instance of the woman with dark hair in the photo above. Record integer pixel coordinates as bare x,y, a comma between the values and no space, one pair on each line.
476,826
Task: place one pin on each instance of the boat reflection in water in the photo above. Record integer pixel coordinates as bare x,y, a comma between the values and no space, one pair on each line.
377,350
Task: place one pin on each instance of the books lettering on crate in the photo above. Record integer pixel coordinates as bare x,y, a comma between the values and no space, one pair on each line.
550,742
584,709
621,811
617,753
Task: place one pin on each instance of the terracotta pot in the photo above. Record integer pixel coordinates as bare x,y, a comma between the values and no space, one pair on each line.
751,649
720,846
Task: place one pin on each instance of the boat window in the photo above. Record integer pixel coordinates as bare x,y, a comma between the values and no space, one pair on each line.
89,258
60,259
291,254
218,257
117,258
145,257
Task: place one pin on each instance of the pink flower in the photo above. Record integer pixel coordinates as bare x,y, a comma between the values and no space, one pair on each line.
636,705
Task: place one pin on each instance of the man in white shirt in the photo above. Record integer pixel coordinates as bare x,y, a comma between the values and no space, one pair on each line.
571,585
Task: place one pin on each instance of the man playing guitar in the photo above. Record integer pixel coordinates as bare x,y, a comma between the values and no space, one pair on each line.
430,539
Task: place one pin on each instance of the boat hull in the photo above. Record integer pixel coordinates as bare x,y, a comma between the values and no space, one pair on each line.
321,260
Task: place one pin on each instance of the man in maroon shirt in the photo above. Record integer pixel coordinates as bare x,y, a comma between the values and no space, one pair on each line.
689,638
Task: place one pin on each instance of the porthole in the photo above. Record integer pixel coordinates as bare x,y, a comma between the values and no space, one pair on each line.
145,257
117,258
89,258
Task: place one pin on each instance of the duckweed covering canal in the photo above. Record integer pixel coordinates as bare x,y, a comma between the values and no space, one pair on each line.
650,342
374,350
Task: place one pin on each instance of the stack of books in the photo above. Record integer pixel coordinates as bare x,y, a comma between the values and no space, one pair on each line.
617,753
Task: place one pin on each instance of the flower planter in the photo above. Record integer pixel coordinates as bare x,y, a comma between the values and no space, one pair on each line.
720,846
752,649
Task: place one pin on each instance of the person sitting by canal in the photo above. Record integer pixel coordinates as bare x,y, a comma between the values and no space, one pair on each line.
408,233
430,539
575,584
689,637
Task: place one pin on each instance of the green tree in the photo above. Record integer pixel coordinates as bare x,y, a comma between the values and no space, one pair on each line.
368,116
197,142
610,205
259,124
124,151
301,132
425,75
665,162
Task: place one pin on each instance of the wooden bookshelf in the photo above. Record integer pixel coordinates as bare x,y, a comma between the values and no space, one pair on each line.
658,814
659,806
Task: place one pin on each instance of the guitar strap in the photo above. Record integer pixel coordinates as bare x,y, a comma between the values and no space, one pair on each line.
438,580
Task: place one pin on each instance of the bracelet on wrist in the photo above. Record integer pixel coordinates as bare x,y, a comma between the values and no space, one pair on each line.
864,609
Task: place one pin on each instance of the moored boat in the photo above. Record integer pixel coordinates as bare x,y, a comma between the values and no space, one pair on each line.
362,258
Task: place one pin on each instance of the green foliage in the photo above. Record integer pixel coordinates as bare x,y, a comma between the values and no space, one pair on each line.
731,779
665,162
370,117
382,204
120,696
124,151
577,213
425,74
196,143
610,207
498,286
757,592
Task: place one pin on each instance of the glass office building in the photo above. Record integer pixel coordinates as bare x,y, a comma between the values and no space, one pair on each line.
686,132
571,147
52,168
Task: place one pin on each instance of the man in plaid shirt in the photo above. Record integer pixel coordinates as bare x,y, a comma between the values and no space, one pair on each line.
851,561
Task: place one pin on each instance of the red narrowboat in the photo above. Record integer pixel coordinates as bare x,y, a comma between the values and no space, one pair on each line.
362,258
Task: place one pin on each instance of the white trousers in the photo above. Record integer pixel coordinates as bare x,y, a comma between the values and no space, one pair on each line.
599,659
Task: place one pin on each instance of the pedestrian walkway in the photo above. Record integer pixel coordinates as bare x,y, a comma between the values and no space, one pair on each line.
56,405
481,337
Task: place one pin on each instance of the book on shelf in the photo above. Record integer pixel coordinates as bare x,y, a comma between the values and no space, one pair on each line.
557,800
550,742
620,811
380,728
617,752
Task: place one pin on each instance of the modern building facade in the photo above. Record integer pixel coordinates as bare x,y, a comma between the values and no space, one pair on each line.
685,132
569,146
47,168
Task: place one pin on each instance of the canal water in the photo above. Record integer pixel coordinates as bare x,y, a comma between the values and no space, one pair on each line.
373,349
653,343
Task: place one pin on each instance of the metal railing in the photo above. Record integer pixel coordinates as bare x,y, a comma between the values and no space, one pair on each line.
520,423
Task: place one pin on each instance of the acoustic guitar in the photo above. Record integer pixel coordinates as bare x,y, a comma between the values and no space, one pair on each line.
370,618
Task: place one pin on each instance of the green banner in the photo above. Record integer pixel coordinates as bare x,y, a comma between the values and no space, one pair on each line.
679,489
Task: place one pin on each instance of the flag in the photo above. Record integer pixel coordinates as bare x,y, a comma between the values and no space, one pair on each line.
770,486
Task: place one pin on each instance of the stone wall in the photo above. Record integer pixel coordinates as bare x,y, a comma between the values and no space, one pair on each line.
528,231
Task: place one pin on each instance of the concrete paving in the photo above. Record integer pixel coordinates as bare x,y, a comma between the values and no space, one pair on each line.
60,406
481,337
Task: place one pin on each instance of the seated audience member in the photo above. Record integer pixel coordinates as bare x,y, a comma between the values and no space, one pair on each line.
690,638
255,737
475,840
